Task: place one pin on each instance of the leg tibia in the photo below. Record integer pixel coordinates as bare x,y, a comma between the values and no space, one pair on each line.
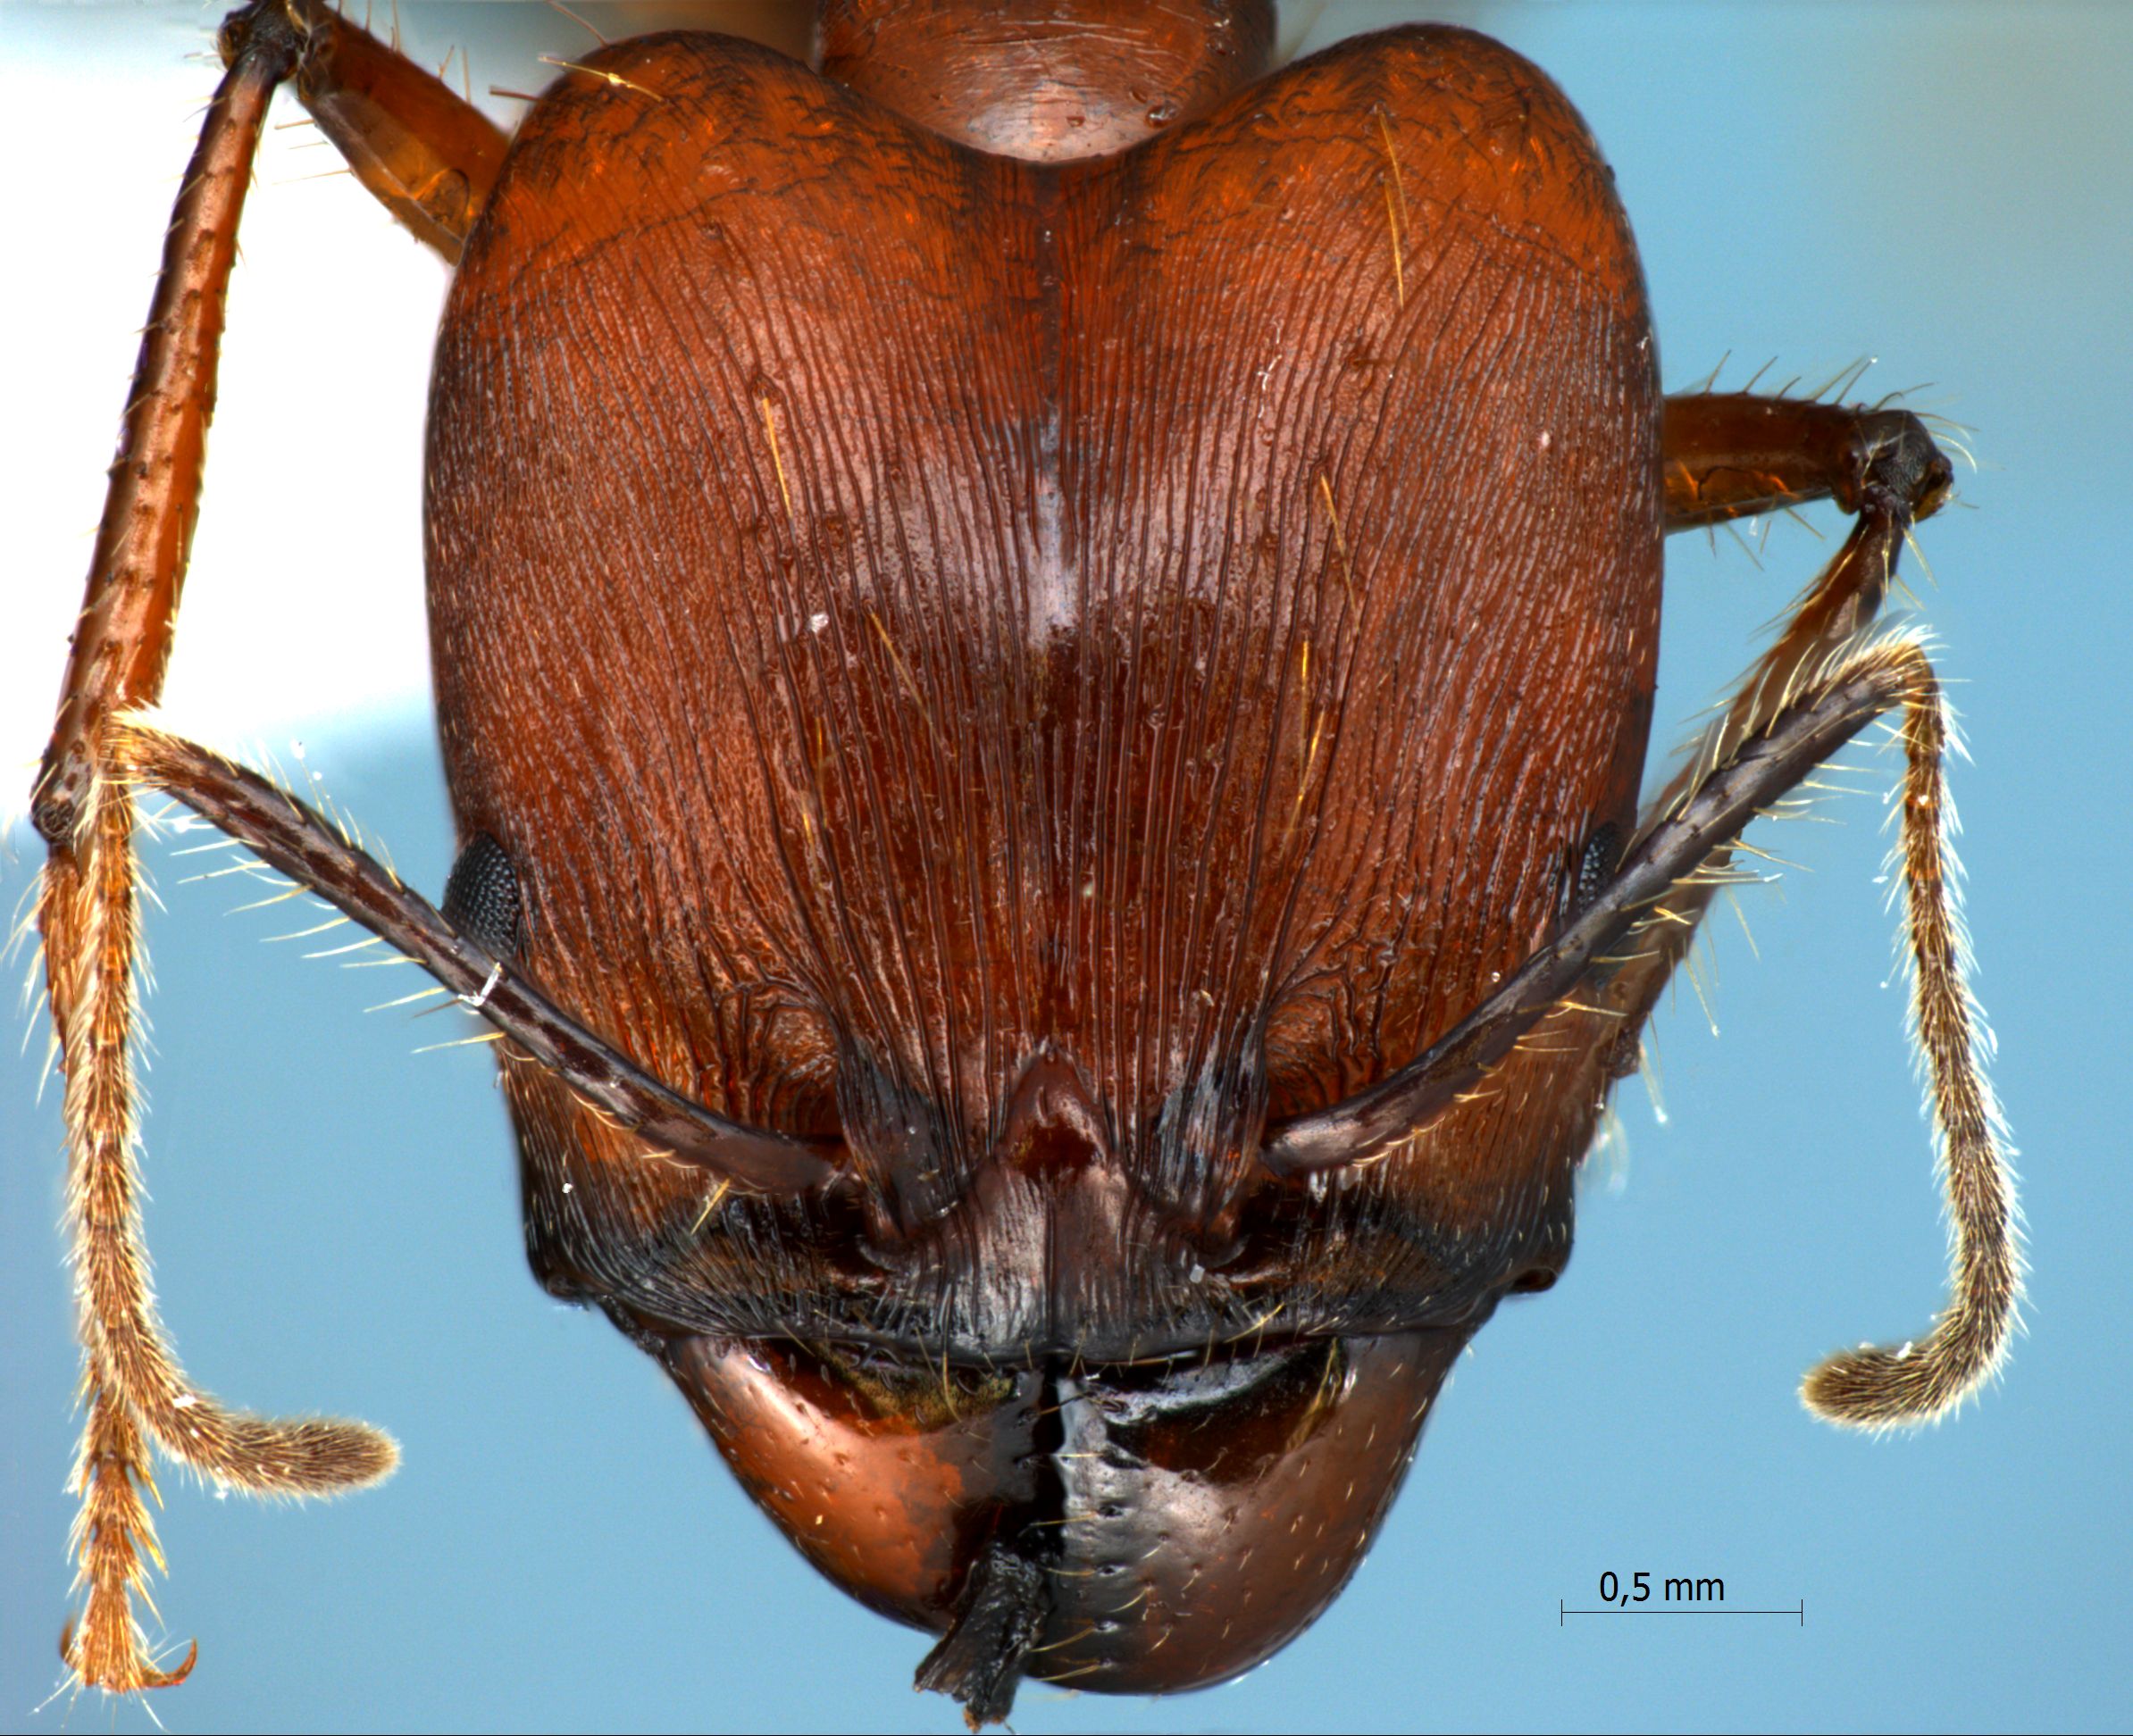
88,899
426,154
1825,677
135,1386
1730,454
122,646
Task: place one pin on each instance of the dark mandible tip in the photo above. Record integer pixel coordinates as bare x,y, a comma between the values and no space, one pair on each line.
979,1659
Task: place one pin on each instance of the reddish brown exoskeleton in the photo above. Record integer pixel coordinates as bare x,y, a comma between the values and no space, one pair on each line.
1045,643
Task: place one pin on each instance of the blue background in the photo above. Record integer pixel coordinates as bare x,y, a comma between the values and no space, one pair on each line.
1948,189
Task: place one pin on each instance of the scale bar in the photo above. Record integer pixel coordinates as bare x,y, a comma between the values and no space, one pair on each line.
1563,1612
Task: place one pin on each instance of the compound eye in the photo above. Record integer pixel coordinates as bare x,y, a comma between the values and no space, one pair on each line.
1595,862
481,897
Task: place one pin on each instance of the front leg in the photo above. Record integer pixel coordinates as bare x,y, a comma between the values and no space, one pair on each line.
1733,454
1726,455
88,910
1825,677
